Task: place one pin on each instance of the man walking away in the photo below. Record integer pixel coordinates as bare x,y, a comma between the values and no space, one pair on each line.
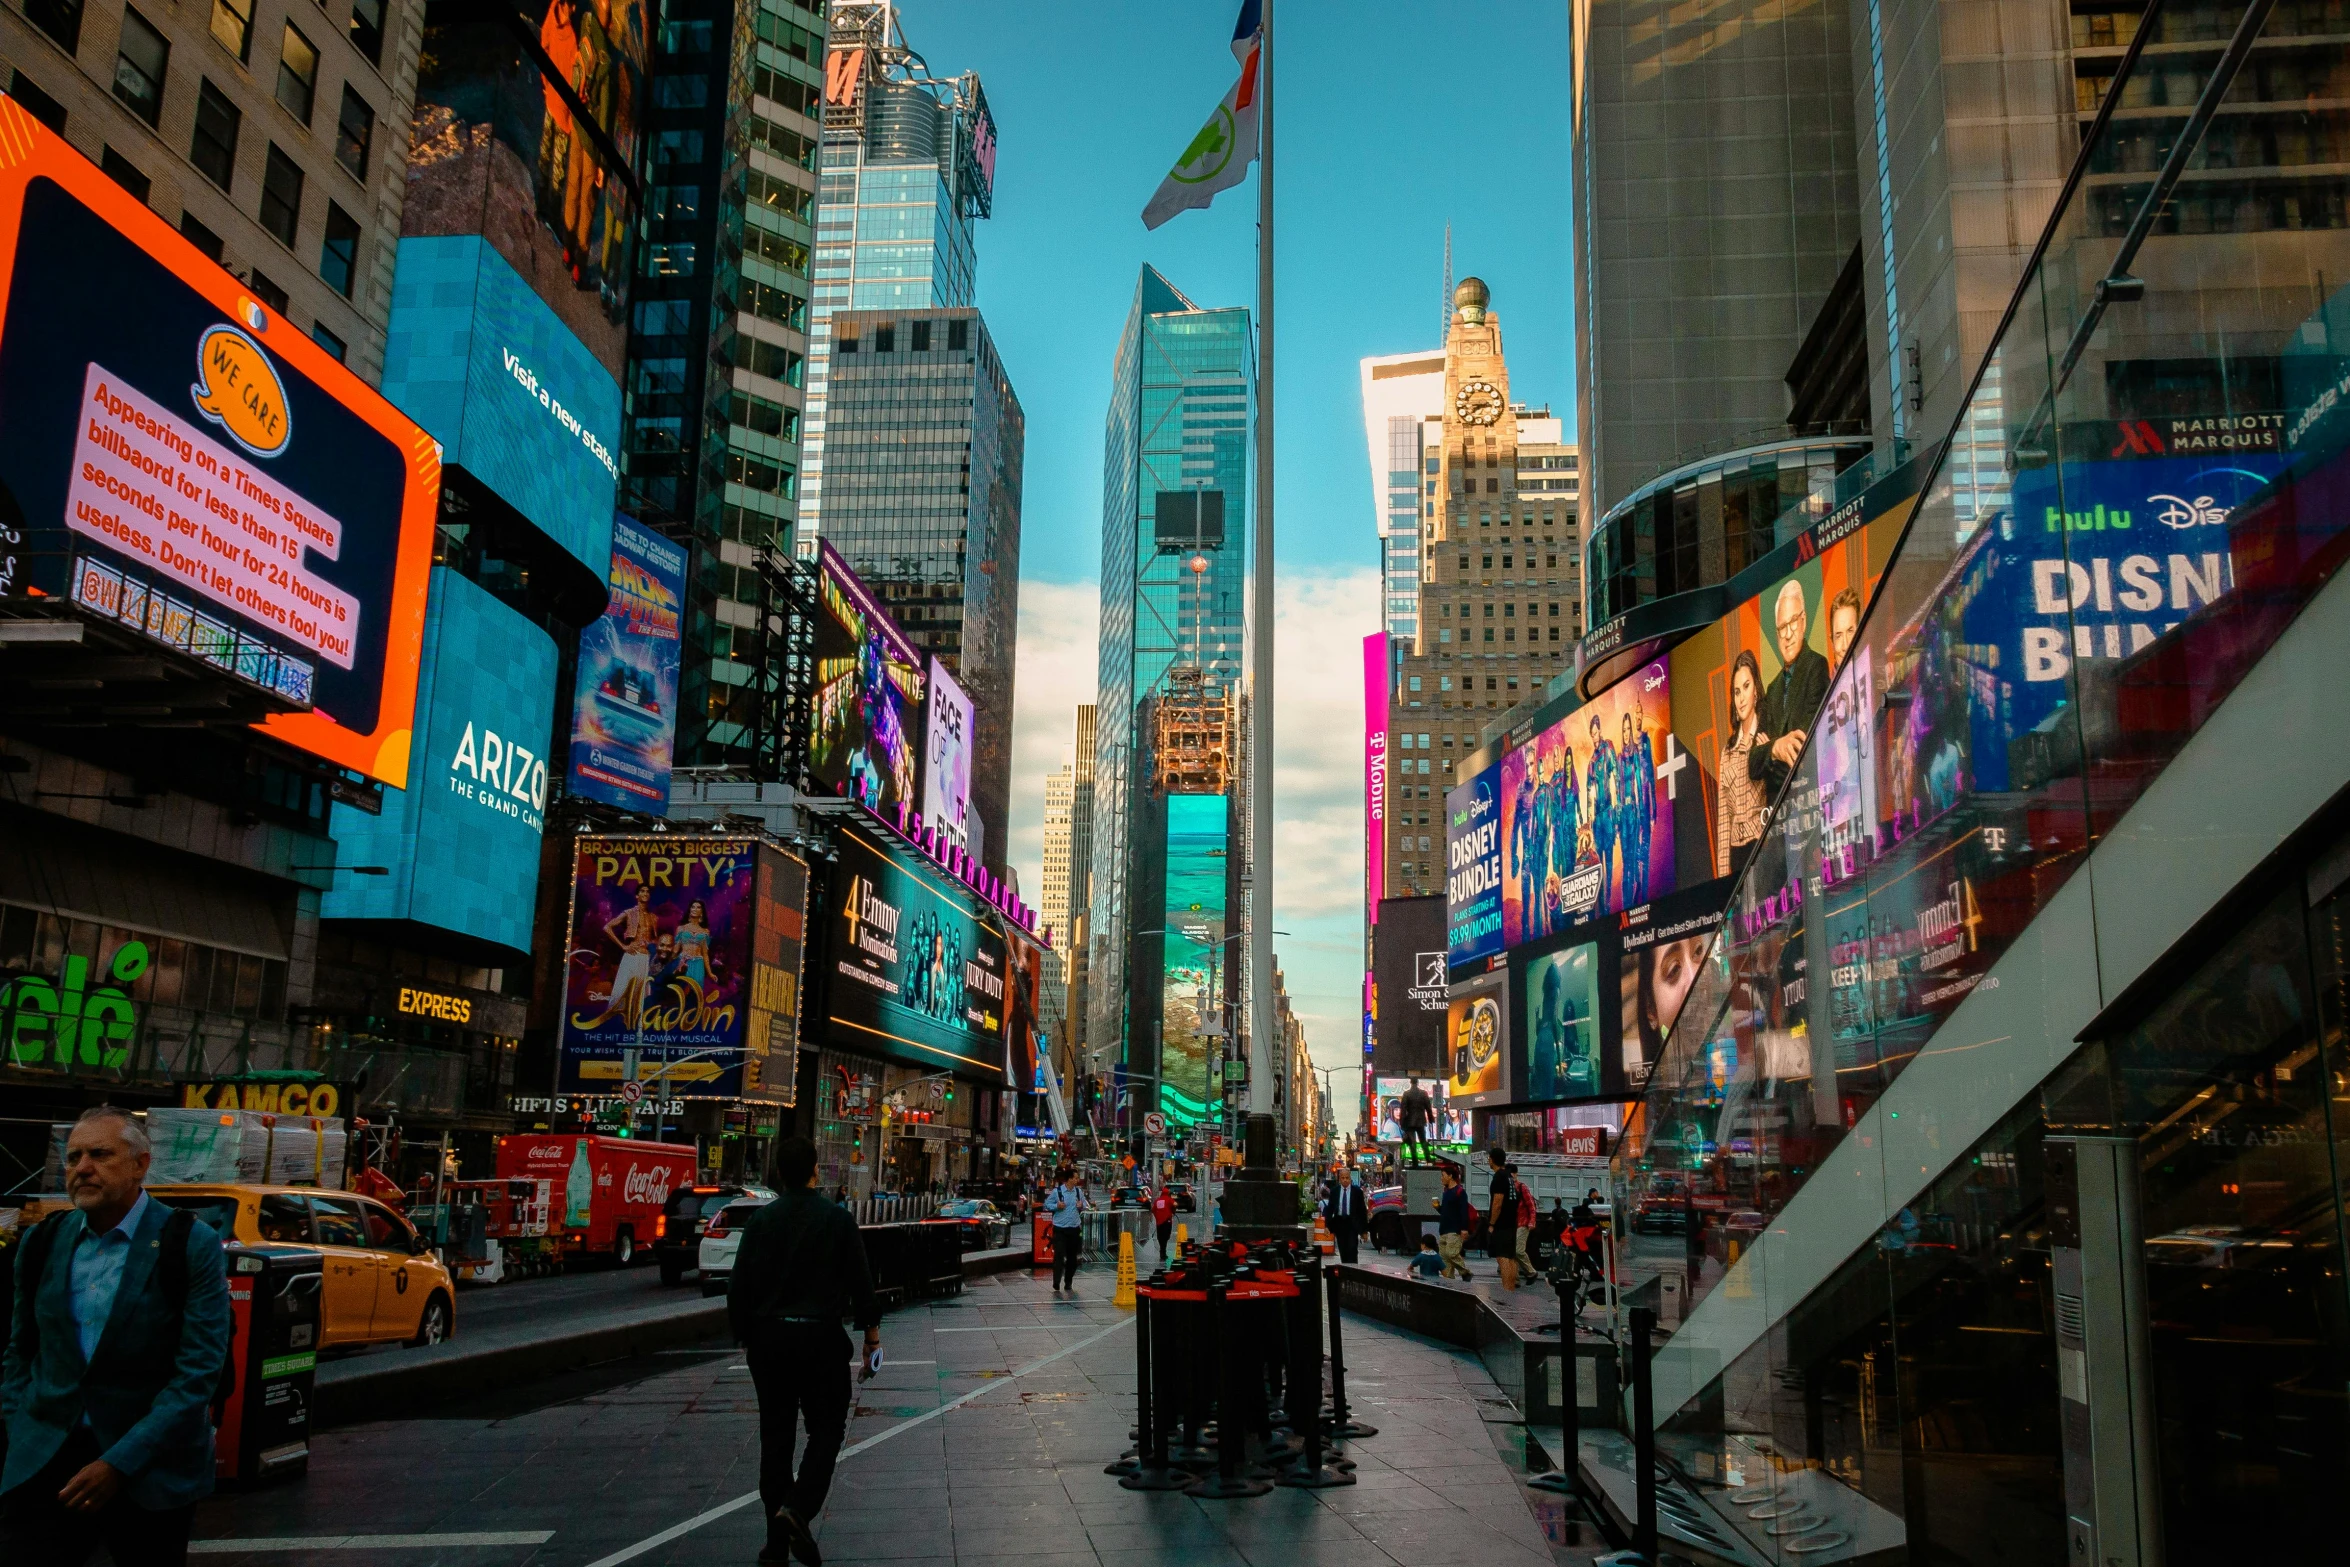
1343,1207
116,1343
1163,1216
1452,1224
1067,1205
1501,1223
800,1269
1413,1111
1524,1211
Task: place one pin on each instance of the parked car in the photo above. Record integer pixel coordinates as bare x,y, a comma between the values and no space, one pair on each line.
722,1237
677,1234
983,1226
382,1283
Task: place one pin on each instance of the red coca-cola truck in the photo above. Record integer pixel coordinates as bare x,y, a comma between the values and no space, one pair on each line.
608,1193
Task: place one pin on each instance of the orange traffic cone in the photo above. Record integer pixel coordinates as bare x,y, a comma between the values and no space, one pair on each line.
1323,1240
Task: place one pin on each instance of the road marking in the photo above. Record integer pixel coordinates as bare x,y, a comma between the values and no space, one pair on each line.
368,1542
654,1542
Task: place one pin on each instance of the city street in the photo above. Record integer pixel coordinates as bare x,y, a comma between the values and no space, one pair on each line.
982,1440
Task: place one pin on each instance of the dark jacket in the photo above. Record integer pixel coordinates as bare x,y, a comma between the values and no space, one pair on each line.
801,1259
146,1390
1355,1219
1791,701
1452,1211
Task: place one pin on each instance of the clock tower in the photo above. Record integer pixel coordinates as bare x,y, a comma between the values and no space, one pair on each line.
1500,586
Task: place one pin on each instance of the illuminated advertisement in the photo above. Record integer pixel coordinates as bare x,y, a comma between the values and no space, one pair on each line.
1472,867
1477,1041
1446,1125
658,959
507,388
538,164
1198,866
946,771
1408,959
1560,997
462,843
1587,807
199,471
779,932
868,694
624,714
915,974
1657,964
1374,773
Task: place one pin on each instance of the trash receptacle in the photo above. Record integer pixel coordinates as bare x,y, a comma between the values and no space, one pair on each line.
263,1424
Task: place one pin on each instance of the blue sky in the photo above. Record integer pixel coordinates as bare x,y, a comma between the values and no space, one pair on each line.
1393,120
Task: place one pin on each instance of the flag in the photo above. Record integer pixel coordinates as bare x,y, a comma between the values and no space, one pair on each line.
1219,156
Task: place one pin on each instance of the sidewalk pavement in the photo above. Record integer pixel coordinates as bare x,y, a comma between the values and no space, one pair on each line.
981,1444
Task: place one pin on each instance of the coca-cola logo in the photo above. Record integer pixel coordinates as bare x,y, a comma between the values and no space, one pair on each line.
646,1185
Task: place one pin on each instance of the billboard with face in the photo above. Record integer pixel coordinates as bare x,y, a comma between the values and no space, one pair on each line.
1445,1124
1477,1042
869,694
1657,965
197,470
658,958
624,715
916,974
946,769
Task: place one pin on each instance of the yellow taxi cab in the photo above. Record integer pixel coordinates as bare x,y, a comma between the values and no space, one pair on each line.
383,1283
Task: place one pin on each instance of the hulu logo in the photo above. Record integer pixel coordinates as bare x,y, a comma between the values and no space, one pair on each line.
68,1024
2095,520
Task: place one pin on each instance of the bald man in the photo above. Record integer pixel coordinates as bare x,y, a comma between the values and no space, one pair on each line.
1792,700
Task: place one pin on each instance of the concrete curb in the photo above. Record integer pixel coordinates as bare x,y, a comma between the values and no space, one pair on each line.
393,1383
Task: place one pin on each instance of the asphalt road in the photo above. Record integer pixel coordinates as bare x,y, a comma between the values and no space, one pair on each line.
592,1290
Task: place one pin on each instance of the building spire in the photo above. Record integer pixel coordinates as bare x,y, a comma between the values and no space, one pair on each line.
1444,327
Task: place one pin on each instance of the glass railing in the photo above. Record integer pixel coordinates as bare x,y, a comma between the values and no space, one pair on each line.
2148,481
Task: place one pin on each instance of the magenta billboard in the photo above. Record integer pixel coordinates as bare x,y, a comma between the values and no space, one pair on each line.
1374,774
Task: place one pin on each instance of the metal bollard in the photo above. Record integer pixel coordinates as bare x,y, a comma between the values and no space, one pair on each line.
1308,1472
1343,1425
1148,1471
1231,1479
1644,1434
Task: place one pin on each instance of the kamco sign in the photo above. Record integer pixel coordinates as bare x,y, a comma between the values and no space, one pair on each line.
281,1098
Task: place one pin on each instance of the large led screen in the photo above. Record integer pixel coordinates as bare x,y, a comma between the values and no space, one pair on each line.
624,714
1472,867
915,973
1560,1003
658,958
1657,965
1375,765
1408,962
507,388
779,932
869,696
179,459
1446,1125
1477,1042
1193,973
1586,818
946,766
461,845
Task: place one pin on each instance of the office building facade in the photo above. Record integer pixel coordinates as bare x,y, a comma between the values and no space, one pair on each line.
1402,395
927,442
274,137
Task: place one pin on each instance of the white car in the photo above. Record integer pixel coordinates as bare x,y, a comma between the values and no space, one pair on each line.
722,1238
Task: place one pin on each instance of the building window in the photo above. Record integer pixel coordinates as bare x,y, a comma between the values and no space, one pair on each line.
60,19
685,37
196,234
37,103
958,336
123,172
885,338
232,26
367,29
214,149
266,291
338,257
140,66
663,317
681,91
281,195
846,345
354,134
297,74
328,341
921,337
675,148
675,259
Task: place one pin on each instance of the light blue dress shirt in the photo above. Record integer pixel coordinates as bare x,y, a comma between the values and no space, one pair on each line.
97,1273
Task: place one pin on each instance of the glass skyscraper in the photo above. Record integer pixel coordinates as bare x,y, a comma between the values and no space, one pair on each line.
1182,405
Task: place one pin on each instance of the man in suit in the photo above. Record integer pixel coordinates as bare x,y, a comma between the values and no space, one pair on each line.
116,1341
1342,1205
1792,700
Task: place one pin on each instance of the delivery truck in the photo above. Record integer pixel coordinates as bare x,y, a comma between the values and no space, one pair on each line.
608,1194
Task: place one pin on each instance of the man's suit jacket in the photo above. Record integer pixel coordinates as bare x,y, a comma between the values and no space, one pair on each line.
146,1390
1354,1219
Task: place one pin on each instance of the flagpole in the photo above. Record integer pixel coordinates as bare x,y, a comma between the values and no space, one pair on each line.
1260,751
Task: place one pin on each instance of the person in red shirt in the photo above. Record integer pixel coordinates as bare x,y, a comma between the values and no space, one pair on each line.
1163,1215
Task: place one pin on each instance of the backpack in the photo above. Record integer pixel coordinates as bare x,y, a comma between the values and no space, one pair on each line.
171,1271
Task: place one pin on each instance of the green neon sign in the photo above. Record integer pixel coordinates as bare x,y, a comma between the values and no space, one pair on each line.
67,1023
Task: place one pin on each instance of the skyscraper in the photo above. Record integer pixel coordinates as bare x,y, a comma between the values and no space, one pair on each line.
718,340
1176,522
1402,393
1060,790
927,442
909,169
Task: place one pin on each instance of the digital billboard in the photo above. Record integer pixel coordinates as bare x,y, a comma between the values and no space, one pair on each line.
1560,998
1477,1041
869,694
197,469
1448,1125
462,843
946,767
1192,985
1408,961
1657,963
1472,867
658,958
624,713
915,973
1375,719
507,388
779,931
1587,810
526,133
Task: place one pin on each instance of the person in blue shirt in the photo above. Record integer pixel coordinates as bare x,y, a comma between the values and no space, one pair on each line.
1452,1224
116,1340
1066,1203
1427,1262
